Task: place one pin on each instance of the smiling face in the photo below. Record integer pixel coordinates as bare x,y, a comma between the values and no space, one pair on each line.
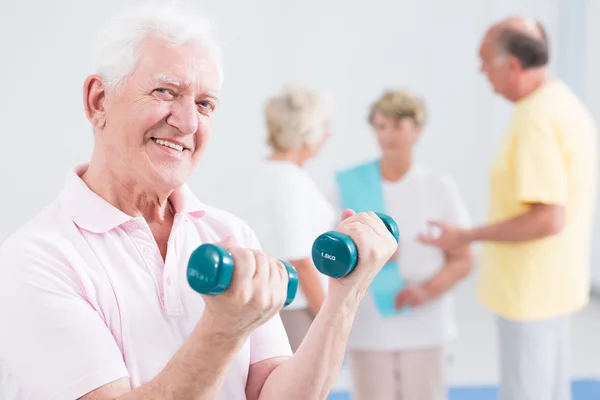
155,127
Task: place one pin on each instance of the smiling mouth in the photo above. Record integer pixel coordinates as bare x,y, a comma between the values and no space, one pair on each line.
168,144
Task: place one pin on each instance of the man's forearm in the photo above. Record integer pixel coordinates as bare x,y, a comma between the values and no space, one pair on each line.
197,370
311,372
457,267
537,223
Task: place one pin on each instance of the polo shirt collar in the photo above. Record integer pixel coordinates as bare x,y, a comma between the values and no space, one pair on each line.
91,212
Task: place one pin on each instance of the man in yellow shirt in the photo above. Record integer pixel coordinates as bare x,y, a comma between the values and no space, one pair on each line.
535,263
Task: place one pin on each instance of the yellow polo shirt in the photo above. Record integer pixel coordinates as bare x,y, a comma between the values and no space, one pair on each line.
548,156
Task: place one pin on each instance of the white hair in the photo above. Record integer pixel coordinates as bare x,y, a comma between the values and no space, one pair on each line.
116,51
297,117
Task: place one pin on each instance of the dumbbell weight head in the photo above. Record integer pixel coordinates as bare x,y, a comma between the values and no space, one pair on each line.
210,269
390,224
292,287
335,254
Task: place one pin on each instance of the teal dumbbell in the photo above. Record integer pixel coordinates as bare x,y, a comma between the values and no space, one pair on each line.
335,254
210,269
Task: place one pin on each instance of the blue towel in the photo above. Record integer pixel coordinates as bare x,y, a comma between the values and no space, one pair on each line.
360,189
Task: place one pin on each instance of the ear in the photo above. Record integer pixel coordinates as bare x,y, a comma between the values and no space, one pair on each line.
94,97
514,64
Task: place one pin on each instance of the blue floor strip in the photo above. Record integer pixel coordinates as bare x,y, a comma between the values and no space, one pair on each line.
584,389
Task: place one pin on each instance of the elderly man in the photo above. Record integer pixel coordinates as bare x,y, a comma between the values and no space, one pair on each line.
534,266
96,301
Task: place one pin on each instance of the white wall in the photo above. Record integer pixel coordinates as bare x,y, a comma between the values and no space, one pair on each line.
347,47
590,83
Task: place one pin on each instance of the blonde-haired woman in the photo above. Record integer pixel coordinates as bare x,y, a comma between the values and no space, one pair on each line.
286,209
396,347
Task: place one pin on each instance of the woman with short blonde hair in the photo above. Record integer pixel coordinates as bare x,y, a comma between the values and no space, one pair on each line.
297,119
399,104
287,210
397,344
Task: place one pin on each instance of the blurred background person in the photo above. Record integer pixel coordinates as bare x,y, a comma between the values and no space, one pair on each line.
286,209
401,354
535,265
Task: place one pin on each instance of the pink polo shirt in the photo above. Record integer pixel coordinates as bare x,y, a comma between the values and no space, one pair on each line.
85,297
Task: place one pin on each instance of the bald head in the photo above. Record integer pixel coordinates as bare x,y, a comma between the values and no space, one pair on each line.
523,38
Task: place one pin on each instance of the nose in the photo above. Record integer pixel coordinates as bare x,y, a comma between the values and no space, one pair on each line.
184,116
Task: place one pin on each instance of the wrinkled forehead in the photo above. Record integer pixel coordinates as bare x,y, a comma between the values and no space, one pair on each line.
187,65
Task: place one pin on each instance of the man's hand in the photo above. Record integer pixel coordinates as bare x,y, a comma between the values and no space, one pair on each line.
311,372
539,221
412,296
257,292
375,245
450,236
394,256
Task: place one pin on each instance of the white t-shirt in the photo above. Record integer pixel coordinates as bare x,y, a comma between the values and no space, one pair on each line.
287,211
420,196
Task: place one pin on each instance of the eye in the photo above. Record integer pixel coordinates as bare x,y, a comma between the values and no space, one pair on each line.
164,92
205,105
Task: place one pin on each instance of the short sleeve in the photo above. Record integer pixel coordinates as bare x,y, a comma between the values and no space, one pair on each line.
539,163
270,339
53,344
455,209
